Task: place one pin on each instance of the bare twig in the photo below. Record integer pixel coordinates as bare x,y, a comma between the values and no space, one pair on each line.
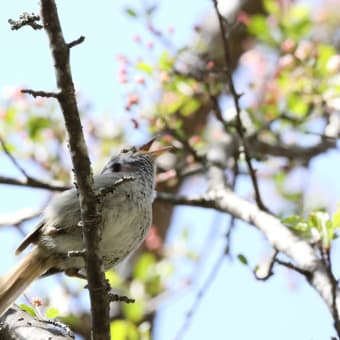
295,152
34,183
76,42
26,19
198,299
293,267
265,271
89,210
120,298
236,97
28,181
335,312
12,158
209,280
39,93
19,217
183,141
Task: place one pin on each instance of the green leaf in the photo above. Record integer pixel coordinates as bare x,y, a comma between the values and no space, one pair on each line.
36,124
166,62
271,6
336,218
30,310
324,53
145,67
143,266
10,115
114,278
131,12
292,221
242,259
123,330
190,106
52,313
297,22
297,105
258,26
134,311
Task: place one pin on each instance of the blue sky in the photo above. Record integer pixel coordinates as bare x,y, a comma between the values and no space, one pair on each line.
235,306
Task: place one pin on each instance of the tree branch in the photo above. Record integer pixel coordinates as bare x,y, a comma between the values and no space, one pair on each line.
91,216
17,324
236,99
279,236
18,217
294,151
34,183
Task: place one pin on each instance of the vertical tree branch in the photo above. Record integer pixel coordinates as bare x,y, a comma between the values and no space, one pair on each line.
236,96
91,217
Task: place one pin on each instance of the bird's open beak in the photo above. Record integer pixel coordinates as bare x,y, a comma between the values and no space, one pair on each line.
160,151
147,145
154,153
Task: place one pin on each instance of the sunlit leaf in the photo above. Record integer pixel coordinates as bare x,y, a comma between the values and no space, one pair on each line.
166,62
271,6
36,124
52,313
297,105
134,311
114,278
123,330
242,259
325,51
30,310
190,106
258,26
143,265
145,67
336,218
131,12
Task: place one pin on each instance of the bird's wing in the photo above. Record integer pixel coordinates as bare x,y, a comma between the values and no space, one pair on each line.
63,212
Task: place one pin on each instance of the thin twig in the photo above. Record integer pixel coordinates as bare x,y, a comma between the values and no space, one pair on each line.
19,217
198,299
26,19
209,280
335,312
76,42
40,93
34,183
12,158
236,97
264,272
120,298
293,267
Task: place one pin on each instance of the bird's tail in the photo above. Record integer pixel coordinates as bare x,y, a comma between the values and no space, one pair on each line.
13,284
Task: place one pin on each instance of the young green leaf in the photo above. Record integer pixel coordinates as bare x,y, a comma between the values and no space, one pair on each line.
30,310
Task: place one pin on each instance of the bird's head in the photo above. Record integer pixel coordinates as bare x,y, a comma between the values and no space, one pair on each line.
135,159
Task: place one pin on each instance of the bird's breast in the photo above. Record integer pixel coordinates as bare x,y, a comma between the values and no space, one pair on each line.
124,228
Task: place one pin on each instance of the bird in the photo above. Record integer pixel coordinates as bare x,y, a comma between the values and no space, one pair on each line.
125,191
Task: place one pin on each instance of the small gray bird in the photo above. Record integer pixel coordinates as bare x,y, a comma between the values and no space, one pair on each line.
125,191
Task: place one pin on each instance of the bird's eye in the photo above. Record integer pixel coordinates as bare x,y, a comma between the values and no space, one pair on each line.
116,167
